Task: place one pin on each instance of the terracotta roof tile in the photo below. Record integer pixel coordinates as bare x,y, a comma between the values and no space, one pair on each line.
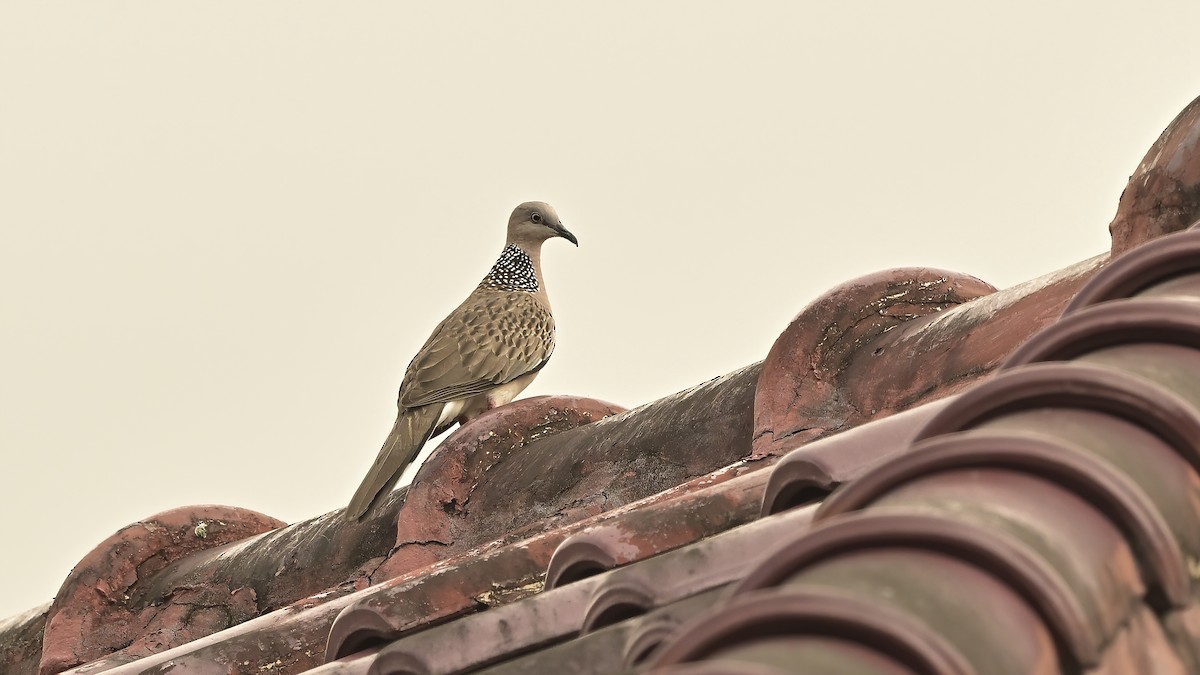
810,475
1163,194
822,625
803,393
97,610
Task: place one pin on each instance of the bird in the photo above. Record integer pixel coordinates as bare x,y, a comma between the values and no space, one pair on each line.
479,357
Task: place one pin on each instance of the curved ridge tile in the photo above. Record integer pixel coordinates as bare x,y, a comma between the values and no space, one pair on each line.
466,584
1089,556
1029,576
1185,286
581,555
437,505
641,533
1076,385
1141,269
813,471
1110,492
1143,431
357,629
644,643
798,380
1153,338
1159,320
813,611
1151,466
92,615
946,594
616,600
797,483
1163,194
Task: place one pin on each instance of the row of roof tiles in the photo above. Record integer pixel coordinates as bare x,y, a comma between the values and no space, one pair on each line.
1024,490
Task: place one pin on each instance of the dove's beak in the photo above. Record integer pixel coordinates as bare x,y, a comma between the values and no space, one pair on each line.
565,234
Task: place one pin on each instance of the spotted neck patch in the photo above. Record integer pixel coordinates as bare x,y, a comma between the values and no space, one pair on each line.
512,272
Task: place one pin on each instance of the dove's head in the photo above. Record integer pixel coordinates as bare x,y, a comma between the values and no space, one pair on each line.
532,223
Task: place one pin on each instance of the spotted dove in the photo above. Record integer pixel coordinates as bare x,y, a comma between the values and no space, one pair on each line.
479,357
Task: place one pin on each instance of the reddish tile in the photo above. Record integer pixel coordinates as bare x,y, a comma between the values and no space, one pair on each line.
442,509
1077,386
1163,194
96,611
1164,267
809,473
801,391
616,599
873,630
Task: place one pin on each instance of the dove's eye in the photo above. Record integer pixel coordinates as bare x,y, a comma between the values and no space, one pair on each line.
537,218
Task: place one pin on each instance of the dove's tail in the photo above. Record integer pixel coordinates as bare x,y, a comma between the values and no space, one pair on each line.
412,429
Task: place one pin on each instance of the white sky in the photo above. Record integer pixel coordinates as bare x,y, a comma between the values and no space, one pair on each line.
226,227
